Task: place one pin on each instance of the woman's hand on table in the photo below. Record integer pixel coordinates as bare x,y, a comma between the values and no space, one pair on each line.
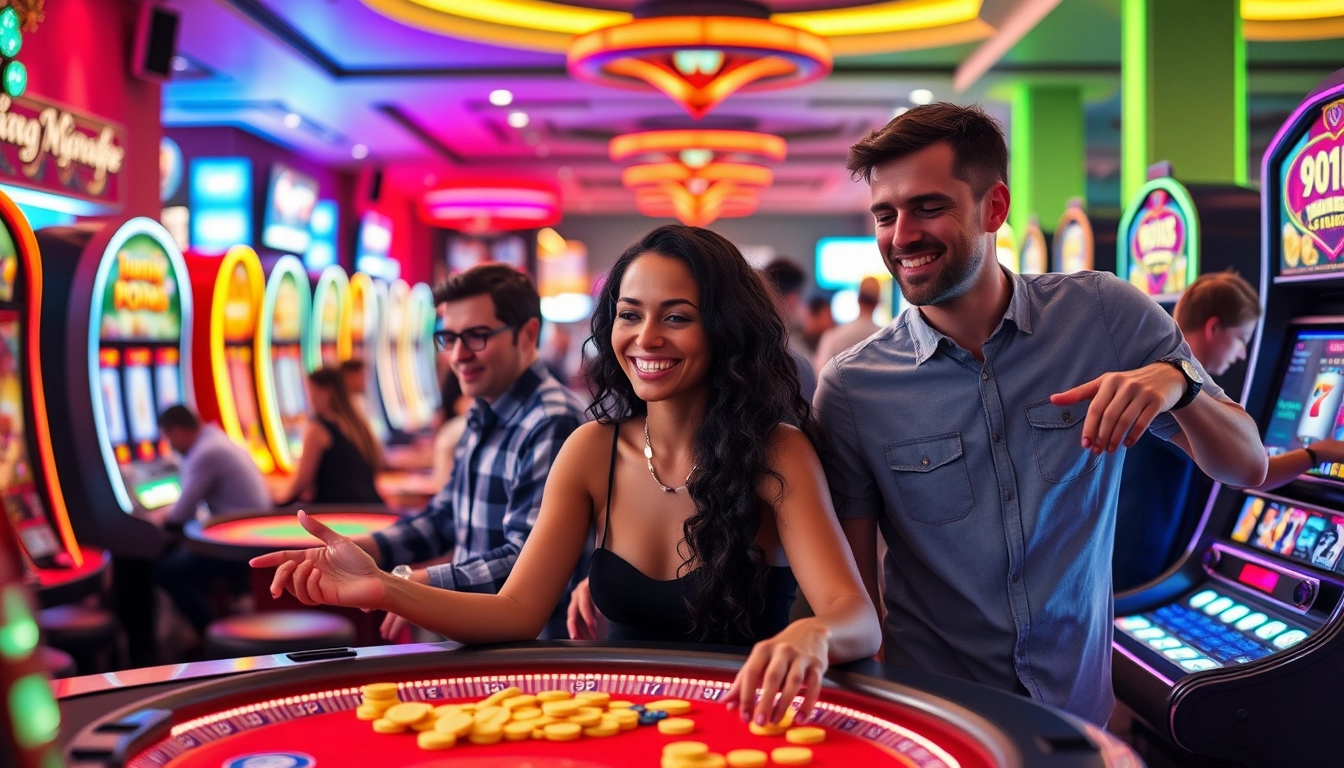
585,621
337,573
790,663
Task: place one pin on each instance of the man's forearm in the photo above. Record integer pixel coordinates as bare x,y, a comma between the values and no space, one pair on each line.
1224,441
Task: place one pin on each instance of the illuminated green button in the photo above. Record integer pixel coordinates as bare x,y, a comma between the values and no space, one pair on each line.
1233,613
18,629
16,78
10,42
1149,633
34,712
1290,638
1268,631
1181,654
1203,598
1133,622
1252,621
1218,606
1165,643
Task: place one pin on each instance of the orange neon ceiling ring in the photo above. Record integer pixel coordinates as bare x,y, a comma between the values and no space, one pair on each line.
491,206
764,145
743,174
744,54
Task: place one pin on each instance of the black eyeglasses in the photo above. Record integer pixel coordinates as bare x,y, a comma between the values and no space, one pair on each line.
473,339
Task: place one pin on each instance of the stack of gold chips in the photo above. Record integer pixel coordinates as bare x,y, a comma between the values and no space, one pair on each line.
378,698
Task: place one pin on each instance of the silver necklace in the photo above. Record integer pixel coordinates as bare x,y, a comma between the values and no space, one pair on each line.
648,459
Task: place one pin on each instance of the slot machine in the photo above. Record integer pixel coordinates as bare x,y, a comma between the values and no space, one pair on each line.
1073,247
422,319
392,381
281,352
329,329
1237,652
1034,253
224,346
365,333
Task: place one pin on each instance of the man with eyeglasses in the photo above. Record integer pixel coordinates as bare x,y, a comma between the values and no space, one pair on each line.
521,416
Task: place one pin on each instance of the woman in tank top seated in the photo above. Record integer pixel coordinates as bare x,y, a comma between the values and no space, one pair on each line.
340,453
706,502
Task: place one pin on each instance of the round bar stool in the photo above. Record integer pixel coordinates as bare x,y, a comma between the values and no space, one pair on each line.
83,632
259,634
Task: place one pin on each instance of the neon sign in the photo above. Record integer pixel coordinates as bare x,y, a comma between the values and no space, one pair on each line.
1159,244
1313,198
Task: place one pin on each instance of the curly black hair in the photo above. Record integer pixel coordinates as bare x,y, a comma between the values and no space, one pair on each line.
753,388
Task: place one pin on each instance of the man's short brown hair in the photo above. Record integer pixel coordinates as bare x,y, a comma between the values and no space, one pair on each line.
1224,295
979,150
513,294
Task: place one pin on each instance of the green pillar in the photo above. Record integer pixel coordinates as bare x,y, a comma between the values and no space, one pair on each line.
1183,72
1047,164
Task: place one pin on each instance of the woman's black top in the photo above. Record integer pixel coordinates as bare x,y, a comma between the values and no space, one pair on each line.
344,476
639,608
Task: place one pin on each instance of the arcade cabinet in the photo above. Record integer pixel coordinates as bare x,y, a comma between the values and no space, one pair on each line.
30,488
1073,247
1172,232
329,329
1237,653
282,349
118,320
224,346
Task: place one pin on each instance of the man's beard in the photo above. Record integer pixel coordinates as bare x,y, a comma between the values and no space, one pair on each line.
956,277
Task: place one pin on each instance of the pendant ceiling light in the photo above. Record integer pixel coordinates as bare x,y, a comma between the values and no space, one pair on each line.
491,206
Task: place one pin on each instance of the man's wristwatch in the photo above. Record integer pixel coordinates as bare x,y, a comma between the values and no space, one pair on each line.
1193,381
402,572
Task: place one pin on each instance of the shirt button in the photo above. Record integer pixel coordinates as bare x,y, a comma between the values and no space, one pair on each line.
984,376
1067,417
1007,495
924,461
1017,577
997,437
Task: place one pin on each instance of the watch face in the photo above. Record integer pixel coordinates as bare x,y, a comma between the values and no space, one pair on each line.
1191,371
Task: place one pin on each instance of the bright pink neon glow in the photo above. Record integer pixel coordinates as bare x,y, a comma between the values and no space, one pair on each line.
1262,579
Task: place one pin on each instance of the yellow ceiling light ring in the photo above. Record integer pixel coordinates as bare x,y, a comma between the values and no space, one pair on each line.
745,53
1292,31
1298,10
891,16
744,174
673,141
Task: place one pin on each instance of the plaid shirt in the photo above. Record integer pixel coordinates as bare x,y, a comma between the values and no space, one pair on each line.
487,509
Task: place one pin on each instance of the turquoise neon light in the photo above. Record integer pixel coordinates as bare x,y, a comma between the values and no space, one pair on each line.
332,280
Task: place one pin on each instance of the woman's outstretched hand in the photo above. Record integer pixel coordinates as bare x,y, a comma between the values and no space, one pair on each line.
788,664
337,573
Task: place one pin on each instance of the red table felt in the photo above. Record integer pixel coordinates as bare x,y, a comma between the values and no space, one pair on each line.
284,531
321,729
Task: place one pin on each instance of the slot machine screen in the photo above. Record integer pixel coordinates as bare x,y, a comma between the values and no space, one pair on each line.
143,421
1310,227
18,486
244,390
167,378
1311,536
1307,406
109,381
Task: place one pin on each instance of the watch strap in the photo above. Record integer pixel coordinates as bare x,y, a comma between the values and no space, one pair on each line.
1192,386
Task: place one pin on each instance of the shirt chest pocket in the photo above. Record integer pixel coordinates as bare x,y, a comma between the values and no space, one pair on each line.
931,477
1057,434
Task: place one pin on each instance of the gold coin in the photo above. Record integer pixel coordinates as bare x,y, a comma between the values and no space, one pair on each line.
620,704
552,695
423,725
1309,253
670,706
493,699
805,735
526,713
676,726
458,724
791,755
409,712
586,716
594,698
562,731
435,740
563,708
602,730
1292,245
379,691
446,710
383,725
366,712
685,749
490,737
746,758
517,731
625,723
516,702
767,730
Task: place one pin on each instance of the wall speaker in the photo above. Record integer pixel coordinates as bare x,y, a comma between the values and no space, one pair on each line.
155,43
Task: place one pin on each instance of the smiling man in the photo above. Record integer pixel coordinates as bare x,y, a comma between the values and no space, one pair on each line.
521,416
984,430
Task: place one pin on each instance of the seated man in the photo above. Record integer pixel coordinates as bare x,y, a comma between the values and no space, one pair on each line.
220,474
521,416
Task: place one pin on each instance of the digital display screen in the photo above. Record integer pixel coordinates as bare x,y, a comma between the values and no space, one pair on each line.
159,493
1311,198
18,486
167,378
1305,535
109,382
289,210
1159,246
140,390
239,362
1307,406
